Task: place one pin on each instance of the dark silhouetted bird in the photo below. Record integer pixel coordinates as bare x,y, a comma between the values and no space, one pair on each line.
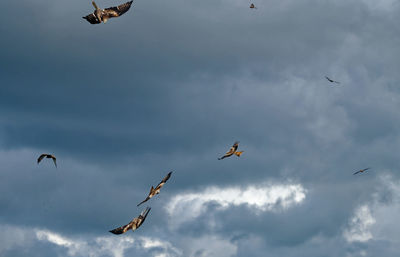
332,81
360,171
134,224
47,156
156,191
232,151
252,6
102,15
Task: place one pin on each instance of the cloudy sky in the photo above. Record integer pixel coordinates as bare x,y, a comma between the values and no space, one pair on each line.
170,86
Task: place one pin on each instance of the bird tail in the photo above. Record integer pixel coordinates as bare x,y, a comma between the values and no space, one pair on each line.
239,153
95,5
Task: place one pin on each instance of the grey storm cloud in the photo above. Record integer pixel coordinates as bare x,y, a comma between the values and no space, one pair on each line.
170,86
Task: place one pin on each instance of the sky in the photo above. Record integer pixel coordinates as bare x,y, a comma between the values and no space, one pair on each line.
170,86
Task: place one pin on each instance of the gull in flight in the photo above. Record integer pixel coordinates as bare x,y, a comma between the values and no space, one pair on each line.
332,81
156,191
360,171
47,156
102,15
232,151
134,224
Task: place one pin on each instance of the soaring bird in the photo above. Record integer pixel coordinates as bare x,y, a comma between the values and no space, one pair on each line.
360,171
134,224
156,191
102,15
47,156
332,81
232,151
252,6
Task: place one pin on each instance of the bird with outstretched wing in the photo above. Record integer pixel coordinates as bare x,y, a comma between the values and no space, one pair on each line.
360,171
156,191
232,151
102,15
49,156
332,81
134,224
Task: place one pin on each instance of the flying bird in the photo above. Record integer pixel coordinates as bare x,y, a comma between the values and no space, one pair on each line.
252,6
47,156
360,171
332,81
134,224
156,191
102,15
232,151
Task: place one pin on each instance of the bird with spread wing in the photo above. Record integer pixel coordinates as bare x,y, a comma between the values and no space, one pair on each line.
134,224
102,15
49,156
232,151
360,171
332,81
156,191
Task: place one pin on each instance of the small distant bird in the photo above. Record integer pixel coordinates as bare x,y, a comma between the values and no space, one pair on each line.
134,224
361,171
47,156
252,6
102,15
232,151
332,81
156,191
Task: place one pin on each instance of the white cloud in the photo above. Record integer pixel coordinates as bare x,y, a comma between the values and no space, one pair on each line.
360,225
263,198
92,246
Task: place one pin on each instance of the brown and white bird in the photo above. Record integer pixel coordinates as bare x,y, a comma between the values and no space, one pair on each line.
156,191
360,171
332,81
232,151
47,156
102,15
252,6
134,224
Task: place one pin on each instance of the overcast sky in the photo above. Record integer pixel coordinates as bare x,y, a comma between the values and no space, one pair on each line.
170,86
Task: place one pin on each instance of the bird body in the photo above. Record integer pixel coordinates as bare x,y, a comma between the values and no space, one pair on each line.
156,191
232,151
102,15
49,156
252,6
360,171
134,224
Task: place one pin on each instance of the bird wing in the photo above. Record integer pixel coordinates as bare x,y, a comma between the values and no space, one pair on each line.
91,18
365,169
143,216
356,172
41,157
328,79
118,10
145,200
122,229
165,179
54,160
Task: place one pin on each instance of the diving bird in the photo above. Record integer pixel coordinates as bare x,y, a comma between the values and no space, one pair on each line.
232,151
332,81
102,15
252,6
134,224
360,171
156,191
47,156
